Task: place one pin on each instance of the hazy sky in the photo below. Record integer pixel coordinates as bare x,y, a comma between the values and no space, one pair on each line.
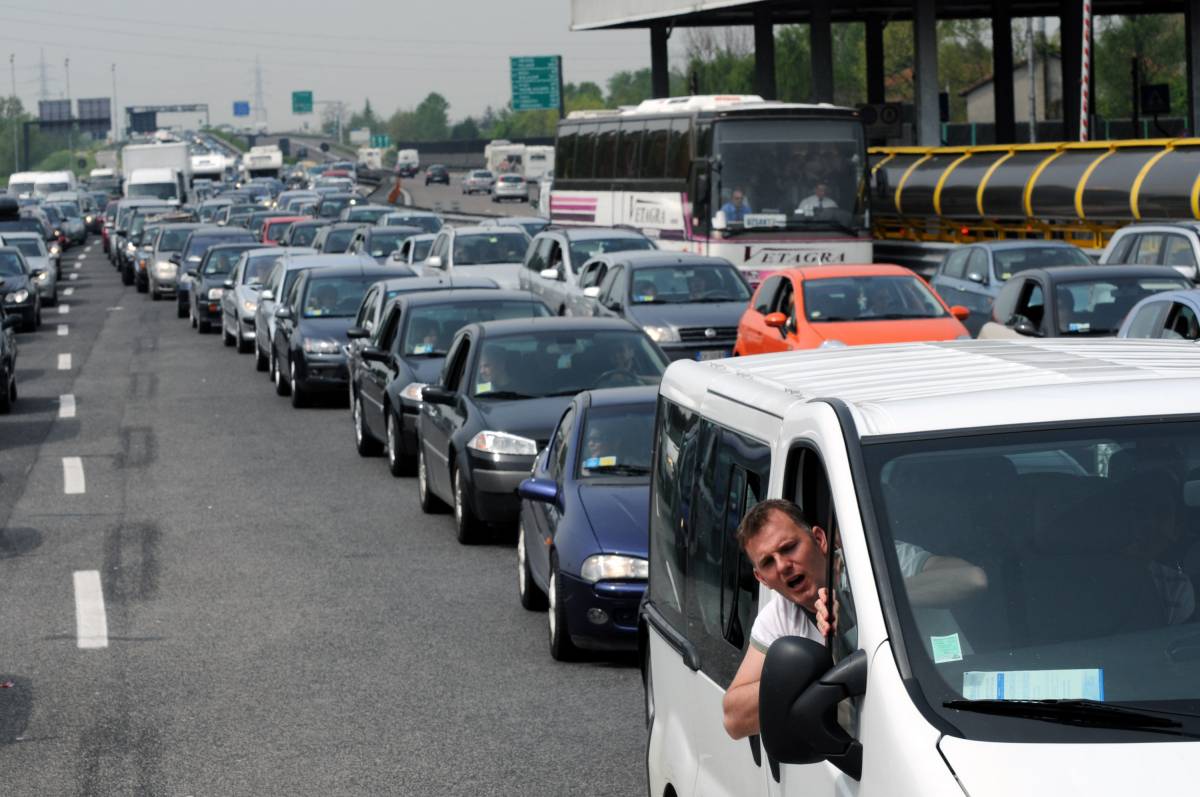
394,53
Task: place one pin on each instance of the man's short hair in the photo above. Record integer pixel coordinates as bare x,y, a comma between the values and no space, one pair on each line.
758,516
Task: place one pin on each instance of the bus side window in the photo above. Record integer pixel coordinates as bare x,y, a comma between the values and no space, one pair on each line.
654,149
606,151
564,152
631,141
679,154
585,152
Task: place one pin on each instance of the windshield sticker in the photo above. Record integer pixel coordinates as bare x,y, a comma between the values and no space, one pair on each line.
643,297
1034,685
1078,327
484,387
424,348
591,463
945,648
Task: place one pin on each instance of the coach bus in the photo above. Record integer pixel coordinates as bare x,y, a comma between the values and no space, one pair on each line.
766,185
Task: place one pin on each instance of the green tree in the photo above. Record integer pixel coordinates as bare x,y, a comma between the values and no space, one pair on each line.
1157,42
466,129
365,118
628,88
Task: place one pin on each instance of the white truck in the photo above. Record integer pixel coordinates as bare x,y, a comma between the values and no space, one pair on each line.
504,157
162,171
210,165
262,161
539,161
408,162
370,157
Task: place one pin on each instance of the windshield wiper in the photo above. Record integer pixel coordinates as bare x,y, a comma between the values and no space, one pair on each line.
502,394
827,222
426,354
1085,713
623,470
714,300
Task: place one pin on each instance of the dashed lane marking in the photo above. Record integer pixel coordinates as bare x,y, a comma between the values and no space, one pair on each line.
63,309
68,291
62,330
64,362
91,624
66,405
72,276
73,481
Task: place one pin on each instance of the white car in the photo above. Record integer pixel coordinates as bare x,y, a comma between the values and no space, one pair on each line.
510,186
497,253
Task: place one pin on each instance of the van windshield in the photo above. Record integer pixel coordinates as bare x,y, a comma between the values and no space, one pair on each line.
156,190
1088,541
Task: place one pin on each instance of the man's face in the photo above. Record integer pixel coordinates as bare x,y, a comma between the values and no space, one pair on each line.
789,559
820,190
487,370
737,198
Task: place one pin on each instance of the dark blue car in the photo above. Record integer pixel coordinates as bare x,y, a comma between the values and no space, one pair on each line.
582,543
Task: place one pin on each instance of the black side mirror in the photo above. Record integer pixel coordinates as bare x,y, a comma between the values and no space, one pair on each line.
798,702
613,305
191,272
375,354
436,394
356,333
176,258
283,313
1023,326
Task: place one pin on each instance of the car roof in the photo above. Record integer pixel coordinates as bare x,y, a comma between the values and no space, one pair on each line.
242,245
391,229
590,233
1189,295
456,295
1022,244
911,388
330,260
4,235
412,212
371,206
620,396
346,225
517,326
1082,273
434,283
476,229
830,272
362,270
656,258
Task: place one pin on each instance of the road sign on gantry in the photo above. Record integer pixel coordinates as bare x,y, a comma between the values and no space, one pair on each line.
241,108
381,140
536,82
302,102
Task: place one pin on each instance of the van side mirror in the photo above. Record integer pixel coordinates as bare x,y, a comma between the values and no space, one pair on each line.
798,704
436,394
1023,326
592,292
434,261
176,258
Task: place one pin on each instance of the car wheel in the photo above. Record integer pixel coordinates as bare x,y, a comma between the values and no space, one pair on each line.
532,597
8,394
53,300
299,397
281,384
398,463
429,502
364,444
260,359
561,647
466,525
126,276
226,338
155,296
243,345
180,310
142,286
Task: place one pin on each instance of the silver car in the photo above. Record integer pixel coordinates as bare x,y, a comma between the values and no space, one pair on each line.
510,186
33,247
493,252
478,181
239,302
414,250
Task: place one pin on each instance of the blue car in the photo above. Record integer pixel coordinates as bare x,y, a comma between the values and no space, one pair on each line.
583,537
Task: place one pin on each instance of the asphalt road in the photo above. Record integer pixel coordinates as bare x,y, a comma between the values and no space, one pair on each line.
451,199
278,615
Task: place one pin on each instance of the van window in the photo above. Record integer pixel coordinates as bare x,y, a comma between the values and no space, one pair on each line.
1179,252
956,264
676,446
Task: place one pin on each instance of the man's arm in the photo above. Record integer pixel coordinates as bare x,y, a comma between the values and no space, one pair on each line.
945,580
741,699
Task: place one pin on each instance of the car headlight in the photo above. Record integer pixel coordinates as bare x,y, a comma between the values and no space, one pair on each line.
607,566
130,247
45,275
250,307
321,346
164,268
17,296
87,219
55,249
488,442
412,391
215,293
662,334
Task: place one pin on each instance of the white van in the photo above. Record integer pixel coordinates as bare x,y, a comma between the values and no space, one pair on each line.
52,182
21,184
1067,471
164,184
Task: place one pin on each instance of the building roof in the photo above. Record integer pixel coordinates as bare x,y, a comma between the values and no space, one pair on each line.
978,84
927,387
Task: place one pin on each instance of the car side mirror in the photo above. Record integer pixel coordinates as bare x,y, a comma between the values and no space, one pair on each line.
614,305
1023,326
375,354
267,295
357,333
960,312
798,704
283,313
977,277
550,274
541,490
434,261
176,258
592,292
436,394
776,320
227,284
38,273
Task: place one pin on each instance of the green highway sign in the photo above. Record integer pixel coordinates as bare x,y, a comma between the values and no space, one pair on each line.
536,82
302,102
381,140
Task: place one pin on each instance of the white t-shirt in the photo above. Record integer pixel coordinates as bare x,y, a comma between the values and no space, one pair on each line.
781,617
813,203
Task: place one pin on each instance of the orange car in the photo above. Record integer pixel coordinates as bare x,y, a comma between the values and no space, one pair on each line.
806,308
273,229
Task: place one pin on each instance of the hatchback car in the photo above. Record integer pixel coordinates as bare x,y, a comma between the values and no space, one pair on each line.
478,181
821,306
334,239
332,204
33,247
1075,301
161,275
405,352
510,186
18,288
428,222
302,233
563,251
274,229
414,250
364,213
206,282
239,297
498,398
1171,315
437,173
492,252
380,242
582,542
973,275
194,249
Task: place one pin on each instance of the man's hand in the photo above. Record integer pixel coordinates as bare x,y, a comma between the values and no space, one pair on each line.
740,704
824,624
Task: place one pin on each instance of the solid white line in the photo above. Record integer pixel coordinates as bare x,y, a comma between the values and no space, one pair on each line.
91,624
72,276
64,362
62,330
68,291
63,309
66,405
73,482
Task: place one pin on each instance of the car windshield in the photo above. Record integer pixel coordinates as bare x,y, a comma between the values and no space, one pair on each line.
69,209
240,212
1097,307
1007,262
429,330
1086,541
11,265
562,363
302,235
384,243
533,226
172,240
331,207
582,251
368,215
156,190
337,241
616,441
426,223
335,297
258,267
481,249
222,261
687,284
52,214
511,179
878,298
276,231
199,246
30,247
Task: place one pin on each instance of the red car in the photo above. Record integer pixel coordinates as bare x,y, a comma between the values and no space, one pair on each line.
273,229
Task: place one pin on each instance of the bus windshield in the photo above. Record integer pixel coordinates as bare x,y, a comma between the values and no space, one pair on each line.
794,174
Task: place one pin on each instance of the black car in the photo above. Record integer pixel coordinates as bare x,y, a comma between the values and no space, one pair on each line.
332,205
302,233
310,328
20,294
437,173
190,259
380,242
134,220
503,388
405,352
8,359
208,283
334,239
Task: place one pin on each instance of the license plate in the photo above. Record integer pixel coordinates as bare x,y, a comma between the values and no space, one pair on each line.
711,354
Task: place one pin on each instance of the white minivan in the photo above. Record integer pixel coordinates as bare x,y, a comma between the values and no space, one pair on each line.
1068,471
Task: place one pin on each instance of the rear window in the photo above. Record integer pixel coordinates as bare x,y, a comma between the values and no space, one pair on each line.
335,297
1097,307
427,223
199,246
28,246
582,251
479,249
1012,261
429,330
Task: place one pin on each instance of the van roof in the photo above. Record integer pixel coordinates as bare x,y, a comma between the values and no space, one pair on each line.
927,387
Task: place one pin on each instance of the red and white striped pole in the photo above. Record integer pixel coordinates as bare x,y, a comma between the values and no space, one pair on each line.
1085,71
